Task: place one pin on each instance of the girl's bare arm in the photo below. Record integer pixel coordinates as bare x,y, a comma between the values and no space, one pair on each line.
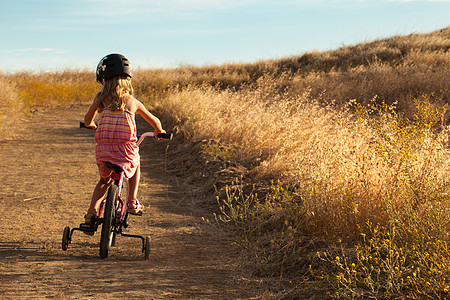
90,116
149,117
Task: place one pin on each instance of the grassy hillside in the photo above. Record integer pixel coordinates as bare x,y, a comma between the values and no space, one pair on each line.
396,69
330,167
340,161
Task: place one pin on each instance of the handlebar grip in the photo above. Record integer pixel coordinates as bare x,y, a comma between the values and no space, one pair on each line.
168,136
82,125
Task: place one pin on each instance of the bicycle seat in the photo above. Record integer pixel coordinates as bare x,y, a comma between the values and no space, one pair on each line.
116,168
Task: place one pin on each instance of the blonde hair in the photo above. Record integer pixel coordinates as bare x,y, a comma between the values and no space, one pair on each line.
113,93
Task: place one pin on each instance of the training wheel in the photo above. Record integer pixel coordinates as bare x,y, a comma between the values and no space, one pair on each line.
66,238
147,248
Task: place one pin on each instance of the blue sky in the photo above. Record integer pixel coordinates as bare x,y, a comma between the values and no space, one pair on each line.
51,35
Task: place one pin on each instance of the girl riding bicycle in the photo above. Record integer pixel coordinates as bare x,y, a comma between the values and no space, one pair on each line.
116,130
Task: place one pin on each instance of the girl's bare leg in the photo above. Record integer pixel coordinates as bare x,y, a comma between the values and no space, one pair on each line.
133,184
98,195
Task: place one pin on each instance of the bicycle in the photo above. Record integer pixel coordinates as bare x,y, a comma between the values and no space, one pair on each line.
114,209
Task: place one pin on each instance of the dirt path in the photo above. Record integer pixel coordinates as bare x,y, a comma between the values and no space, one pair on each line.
48,173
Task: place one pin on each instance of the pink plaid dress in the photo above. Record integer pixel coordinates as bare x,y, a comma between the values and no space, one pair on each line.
116,142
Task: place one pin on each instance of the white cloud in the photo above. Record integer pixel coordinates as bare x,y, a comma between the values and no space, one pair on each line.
391,1
27,51
139,6
136,8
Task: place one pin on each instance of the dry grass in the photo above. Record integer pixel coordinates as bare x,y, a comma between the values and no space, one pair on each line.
53,89
396,69
361,182
21,93
338,175
11,106
346,151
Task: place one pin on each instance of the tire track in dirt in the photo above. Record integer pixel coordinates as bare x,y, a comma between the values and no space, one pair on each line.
48,172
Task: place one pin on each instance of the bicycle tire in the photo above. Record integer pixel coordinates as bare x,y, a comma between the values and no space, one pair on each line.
147,248
66,238
109,214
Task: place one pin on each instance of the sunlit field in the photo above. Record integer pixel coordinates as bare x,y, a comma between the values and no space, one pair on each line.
346,157
21,93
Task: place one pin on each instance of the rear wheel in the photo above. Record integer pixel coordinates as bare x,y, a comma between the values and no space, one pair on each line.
108,226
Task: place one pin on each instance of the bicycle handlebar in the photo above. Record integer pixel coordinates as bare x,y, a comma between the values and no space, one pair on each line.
141,137
82,125
168,136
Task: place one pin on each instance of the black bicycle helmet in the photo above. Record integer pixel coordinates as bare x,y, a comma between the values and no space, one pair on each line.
113,65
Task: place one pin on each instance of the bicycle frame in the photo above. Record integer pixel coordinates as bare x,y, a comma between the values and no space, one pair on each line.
118,179
121,220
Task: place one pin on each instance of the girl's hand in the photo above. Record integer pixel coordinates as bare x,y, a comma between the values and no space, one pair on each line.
158,131
91,126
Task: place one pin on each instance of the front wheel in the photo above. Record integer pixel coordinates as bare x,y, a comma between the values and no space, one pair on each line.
108,226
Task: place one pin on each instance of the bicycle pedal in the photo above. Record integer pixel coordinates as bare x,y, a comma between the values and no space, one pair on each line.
136,213
88,229
90,233
85,226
